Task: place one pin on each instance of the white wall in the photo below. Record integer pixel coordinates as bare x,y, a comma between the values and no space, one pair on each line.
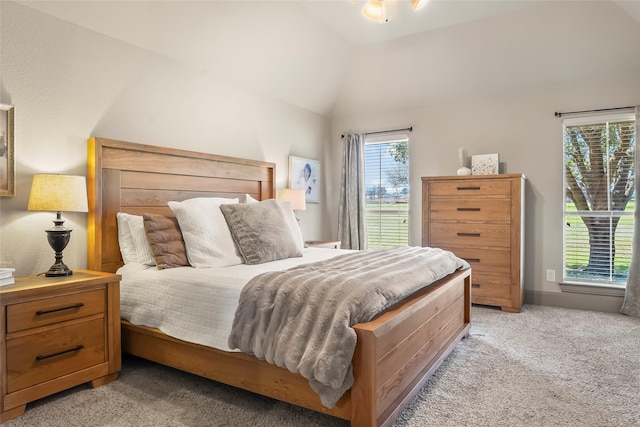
69,83
492,86
526,134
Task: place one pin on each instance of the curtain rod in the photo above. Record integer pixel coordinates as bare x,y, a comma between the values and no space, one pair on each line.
409,129
557,114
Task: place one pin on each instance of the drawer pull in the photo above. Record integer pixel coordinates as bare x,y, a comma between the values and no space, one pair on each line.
469,209
472,259
468,188
71,307
76,348
475,285
468,234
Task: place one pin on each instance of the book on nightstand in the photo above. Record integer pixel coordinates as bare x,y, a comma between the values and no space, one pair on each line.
6,276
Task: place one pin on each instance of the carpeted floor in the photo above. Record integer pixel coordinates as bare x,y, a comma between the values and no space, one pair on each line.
543,367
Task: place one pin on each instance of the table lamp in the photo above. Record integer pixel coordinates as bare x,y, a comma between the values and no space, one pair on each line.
51,192
295,197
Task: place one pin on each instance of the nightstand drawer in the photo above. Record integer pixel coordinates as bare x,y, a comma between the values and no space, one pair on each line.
36,358
470,188
471,210
488,235
53,310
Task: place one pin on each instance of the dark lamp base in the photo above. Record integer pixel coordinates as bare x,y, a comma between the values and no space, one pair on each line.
58,238
58,270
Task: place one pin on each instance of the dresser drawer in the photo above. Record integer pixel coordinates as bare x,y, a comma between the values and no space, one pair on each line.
463,234
470,210
36,358
470,188
483,260
485,286
53,310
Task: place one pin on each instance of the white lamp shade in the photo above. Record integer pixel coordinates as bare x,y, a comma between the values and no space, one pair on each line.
51,192
295,197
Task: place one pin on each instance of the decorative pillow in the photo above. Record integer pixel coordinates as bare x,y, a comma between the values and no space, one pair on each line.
205,232
290,216
125,240
138,237
248,199
292,223
165,240
260,231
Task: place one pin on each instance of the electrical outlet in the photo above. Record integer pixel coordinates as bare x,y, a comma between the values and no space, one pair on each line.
551,275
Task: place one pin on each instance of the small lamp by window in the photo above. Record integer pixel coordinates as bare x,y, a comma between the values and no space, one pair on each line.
50,192
295,197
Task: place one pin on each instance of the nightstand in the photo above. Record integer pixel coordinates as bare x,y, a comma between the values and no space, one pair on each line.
323,244
57,333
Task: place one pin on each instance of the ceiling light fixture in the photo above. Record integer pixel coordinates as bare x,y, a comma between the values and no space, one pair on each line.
375,10
417,4
385,10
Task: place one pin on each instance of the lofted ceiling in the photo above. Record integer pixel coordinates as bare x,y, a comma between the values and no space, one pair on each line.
325,57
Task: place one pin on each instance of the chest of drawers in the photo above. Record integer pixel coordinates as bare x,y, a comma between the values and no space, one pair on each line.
480,219
56,333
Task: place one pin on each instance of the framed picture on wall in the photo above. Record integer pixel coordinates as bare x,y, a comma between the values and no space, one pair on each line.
7,159
304,174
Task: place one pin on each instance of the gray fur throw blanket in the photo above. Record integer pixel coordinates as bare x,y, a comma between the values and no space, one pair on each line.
301,319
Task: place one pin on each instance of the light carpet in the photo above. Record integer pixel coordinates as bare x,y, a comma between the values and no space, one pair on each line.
545,366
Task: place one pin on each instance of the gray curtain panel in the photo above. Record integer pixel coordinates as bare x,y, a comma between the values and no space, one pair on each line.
631,304
352,230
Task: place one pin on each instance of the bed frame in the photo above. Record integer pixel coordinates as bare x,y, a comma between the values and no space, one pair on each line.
396,352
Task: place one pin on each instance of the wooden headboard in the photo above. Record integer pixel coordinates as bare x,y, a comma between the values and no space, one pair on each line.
138,178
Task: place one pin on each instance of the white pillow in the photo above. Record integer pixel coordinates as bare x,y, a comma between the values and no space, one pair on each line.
136,237
206,234
248,199
125,240
290,216
292,222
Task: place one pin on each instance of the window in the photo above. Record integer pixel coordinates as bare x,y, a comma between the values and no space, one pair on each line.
386,169
599,199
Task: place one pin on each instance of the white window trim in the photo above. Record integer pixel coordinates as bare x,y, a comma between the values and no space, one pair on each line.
589,287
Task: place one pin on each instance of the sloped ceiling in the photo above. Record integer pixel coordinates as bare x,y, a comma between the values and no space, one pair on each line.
548,47
323,56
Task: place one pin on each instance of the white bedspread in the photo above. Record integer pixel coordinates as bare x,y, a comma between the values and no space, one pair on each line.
195,304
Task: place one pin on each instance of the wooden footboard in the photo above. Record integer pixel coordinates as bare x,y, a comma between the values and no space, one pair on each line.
395,355
399,350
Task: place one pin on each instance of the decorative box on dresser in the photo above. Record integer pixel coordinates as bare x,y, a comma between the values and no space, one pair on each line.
57,333
480,218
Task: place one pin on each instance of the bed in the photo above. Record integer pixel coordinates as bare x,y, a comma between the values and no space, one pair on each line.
396,352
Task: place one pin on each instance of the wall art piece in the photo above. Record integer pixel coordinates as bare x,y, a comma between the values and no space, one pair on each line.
7,159
485,164
304,174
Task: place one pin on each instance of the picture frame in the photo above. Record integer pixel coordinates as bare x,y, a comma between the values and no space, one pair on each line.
304,174
7,153
485,164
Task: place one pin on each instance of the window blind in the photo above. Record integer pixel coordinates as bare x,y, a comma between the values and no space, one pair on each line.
387,190
599,159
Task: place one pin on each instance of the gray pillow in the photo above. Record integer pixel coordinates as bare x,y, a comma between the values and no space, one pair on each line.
260,231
